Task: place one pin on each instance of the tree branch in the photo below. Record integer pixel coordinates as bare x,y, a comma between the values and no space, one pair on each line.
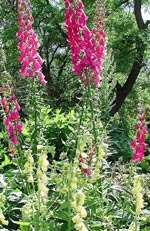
122,92
147,23
138,14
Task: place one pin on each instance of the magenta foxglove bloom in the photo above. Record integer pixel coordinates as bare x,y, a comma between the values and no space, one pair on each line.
87,47
87,161
138,144
11,108
31,61
87,170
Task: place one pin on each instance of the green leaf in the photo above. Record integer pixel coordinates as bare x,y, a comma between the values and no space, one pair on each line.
22,223
147,157
25,131
1,135
62,215
96,224
145,229
71,128
5,162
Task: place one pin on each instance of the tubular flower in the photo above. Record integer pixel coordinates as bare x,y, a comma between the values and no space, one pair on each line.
87,47
30,59
138,192
83,158
11,108
77,204
2,218
28,167
90,162
138,144
41,175
85,162
99,36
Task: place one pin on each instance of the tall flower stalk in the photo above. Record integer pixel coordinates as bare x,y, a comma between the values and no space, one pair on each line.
31,61
11,108
138,144
10,105
87,46
137,192
87,51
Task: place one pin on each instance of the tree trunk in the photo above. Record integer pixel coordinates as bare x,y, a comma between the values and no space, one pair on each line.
122,92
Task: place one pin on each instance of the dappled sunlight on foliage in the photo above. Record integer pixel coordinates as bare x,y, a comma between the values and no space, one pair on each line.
72,155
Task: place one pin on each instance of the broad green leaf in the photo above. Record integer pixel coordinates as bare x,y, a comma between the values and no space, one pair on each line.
5,162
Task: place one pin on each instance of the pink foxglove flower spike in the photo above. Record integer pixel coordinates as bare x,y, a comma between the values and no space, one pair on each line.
28,46
138,144
11,108
87,47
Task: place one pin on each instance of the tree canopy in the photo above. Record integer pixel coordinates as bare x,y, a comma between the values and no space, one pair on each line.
127,38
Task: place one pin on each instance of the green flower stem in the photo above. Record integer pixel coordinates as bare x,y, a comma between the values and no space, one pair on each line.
92,115
79,125
137,227
35,132
69,209
39,212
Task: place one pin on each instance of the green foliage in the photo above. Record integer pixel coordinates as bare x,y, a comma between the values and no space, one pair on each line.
67,173
54,128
